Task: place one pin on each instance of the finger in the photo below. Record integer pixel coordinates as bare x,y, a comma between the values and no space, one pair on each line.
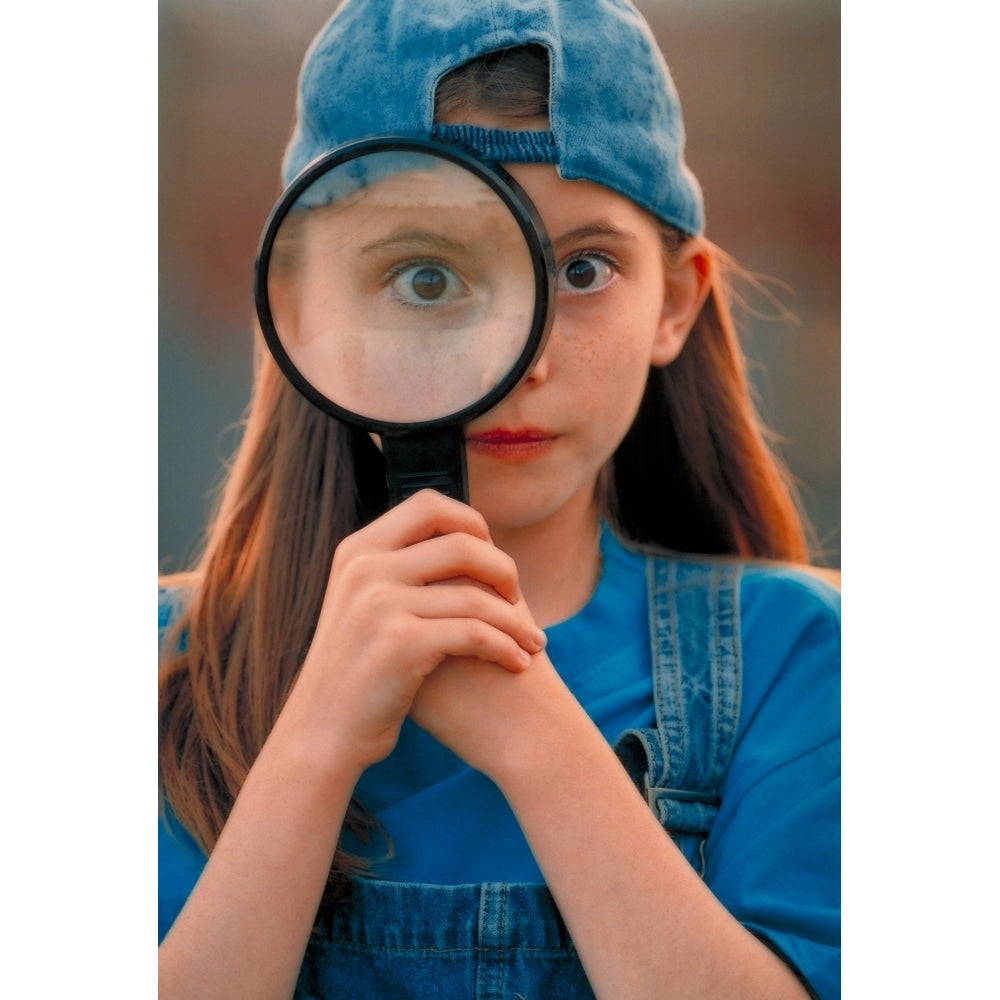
421,516
455,600
471,637
456,555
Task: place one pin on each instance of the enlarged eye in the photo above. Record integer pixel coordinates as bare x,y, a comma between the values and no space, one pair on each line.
425,283
587,272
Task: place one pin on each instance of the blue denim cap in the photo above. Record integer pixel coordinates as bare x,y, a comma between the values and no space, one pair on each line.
614,112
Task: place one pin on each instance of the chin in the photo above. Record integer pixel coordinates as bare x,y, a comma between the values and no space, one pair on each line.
522,507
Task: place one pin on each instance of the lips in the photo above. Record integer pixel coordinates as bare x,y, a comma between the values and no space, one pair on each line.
512,443
524,435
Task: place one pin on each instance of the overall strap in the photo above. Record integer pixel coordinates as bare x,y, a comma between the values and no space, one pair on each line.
679,763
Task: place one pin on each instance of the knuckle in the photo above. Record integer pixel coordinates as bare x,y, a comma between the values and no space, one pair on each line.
398,630
480,636
343,552
427,501
510,567
401,640
465,546
478,520
379,601
365,573
349,552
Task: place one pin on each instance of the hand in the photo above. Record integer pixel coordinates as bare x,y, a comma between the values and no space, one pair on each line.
421,583
495,720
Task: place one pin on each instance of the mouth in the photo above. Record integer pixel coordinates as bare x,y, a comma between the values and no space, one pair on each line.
512,444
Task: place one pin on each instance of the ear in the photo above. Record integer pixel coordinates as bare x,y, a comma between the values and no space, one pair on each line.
687,281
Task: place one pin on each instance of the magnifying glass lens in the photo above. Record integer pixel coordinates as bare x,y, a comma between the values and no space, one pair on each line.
401,287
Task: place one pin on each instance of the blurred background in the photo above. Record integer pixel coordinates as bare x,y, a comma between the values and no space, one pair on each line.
759,81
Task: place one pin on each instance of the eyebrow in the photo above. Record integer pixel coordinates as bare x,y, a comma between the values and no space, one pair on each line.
590,230
414,241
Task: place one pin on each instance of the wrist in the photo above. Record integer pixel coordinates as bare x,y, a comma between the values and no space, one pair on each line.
324,752
545,730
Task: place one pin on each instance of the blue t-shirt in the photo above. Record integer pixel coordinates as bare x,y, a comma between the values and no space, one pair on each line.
772,857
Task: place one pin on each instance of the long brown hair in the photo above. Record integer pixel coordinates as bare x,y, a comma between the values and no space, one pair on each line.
694,474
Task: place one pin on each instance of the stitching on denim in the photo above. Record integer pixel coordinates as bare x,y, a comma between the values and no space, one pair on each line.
480,949
682,591
716,671
502,970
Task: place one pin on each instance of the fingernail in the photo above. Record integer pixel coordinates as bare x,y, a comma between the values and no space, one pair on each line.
541,639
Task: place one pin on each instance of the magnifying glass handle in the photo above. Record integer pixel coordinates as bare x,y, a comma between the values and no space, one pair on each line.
419,460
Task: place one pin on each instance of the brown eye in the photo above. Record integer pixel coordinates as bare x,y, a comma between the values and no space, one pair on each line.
422,284
428,283
589,272
581,273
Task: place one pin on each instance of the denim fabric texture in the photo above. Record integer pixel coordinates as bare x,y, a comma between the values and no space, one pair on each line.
615,114
468,942
679,764
504,941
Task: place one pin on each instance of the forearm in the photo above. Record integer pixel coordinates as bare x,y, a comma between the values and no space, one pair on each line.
644,923
246,925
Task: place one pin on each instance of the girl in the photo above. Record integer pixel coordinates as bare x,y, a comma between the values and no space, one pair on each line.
525,747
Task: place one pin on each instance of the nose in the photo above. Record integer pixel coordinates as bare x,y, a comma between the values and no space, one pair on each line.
539,372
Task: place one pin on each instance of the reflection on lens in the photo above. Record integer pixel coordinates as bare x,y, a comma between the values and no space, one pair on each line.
401,286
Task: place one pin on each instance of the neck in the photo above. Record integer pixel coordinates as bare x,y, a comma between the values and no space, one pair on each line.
558,560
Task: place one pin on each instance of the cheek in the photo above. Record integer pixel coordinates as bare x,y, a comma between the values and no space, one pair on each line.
609,377
624,364
621,351
607,342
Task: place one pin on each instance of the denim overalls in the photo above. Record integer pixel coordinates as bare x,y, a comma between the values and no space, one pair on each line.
503,941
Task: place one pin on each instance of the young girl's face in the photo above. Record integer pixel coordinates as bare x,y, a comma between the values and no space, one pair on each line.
541,449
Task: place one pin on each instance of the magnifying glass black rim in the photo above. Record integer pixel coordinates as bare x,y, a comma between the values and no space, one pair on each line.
509,192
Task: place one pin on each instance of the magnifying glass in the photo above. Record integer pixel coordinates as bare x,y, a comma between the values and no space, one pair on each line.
406,287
